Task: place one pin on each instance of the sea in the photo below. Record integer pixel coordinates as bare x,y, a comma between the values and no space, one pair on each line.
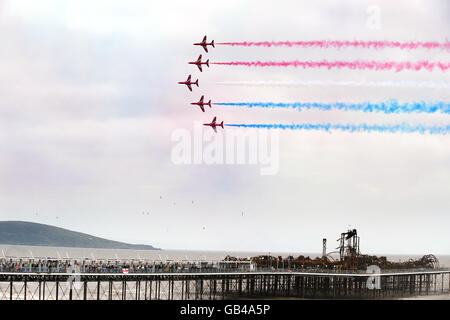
44,252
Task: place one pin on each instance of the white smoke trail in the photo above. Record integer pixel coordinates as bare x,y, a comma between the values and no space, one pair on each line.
296,84
388,107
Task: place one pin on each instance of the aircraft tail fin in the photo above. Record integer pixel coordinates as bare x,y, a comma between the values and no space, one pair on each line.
212,43
209,103
196,82
207,63
221,124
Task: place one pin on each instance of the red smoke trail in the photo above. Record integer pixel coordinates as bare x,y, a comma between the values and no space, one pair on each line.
356,65
341,44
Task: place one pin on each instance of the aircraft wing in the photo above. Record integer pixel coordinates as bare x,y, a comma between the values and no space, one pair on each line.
215,130
205,47
203,109
200,67
189,86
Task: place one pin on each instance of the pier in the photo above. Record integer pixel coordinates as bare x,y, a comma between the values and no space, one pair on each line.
221,285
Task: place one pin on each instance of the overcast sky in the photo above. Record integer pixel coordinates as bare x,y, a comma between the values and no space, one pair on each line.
89,101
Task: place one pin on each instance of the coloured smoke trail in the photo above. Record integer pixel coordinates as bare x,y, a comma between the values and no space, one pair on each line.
323,44
388,107
354,65
396,128
309,83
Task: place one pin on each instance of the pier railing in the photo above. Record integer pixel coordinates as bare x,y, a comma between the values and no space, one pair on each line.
141,267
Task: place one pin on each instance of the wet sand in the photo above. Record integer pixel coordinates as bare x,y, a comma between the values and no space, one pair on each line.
430,297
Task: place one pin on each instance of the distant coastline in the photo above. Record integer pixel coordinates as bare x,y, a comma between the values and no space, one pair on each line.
24,233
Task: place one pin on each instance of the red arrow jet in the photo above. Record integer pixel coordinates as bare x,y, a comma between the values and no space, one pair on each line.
204,44
201,104
199,63
189,83
213,124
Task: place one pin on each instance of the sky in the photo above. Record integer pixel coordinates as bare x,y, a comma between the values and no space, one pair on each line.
90,104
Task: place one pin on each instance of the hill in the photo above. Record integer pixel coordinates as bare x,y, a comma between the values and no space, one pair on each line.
36,234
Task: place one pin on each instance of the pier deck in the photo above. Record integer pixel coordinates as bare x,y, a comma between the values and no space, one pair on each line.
220,285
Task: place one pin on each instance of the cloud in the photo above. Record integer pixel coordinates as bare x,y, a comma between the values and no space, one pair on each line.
90,99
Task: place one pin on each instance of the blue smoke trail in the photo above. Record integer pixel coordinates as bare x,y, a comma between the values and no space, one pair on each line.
391,106
402,128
